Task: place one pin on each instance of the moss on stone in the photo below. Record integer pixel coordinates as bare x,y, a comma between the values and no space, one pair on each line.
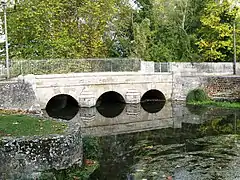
197,95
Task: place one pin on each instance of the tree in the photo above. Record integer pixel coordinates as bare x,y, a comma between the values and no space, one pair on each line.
172,27
120,33
216,34
59,28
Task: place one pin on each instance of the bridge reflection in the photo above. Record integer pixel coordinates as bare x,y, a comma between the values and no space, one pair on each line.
132,119
128,118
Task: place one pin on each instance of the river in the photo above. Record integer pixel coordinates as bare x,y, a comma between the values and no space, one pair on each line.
154,141
167,141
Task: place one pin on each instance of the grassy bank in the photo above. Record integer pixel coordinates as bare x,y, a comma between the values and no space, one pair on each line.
217,104
16,125
200,98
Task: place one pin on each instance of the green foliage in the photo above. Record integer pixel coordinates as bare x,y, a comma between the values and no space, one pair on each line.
216,33
220,125
59,29
217,104
170,33
91,147
119,40
197,95
142,34
157,30
24,125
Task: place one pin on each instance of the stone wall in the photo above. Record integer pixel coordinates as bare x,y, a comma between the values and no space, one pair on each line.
223,87
33,92
188,76
17,95
25,158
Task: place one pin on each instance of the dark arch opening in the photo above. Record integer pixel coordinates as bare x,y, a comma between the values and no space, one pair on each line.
153,101
110,104
62,106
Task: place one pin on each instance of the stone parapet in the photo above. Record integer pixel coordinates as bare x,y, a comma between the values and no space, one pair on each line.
26,157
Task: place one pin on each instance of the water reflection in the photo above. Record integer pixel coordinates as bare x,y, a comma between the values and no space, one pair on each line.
107,110
111,110
153,106
62,106
177,142
195,151
66,113
197,109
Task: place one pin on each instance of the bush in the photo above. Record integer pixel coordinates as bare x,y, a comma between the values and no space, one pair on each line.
197,95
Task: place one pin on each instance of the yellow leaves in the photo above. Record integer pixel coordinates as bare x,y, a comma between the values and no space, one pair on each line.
149,147
203,43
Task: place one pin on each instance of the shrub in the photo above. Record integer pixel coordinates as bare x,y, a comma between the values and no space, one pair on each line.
197,95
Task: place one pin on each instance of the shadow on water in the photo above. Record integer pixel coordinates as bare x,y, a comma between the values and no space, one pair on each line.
153,106
197,110
153,101
110,104
62,107
111,110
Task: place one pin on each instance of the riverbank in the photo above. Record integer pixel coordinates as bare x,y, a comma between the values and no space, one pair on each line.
20,123
31,144
216,104
200,98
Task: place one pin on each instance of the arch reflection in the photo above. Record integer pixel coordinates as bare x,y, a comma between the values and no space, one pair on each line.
153,101
110,104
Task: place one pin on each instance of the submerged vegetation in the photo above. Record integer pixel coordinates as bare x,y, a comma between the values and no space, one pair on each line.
200,98
19,124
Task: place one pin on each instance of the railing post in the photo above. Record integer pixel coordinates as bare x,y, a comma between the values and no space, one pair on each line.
234,48
4,5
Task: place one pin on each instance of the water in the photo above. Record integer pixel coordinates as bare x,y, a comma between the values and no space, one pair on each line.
158,141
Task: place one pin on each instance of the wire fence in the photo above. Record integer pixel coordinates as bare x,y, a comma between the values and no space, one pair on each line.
61,66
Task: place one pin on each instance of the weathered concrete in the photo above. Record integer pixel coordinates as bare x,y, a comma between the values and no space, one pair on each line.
188,76
25,157
17,95
86,88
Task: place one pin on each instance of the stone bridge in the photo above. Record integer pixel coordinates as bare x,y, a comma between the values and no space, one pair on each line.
87,88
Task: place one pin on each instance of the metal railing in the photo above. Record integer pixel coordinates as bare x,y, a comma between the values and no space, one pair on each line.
61,66
162,67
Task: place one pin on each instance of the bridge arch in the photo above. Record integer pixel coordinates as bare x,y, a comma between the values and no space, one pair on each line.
153,101
110,104
62,106
110,97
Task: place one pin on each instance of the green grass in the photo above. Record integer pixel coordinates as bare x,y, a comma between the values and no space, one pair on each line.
200,98
16,125
217,104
